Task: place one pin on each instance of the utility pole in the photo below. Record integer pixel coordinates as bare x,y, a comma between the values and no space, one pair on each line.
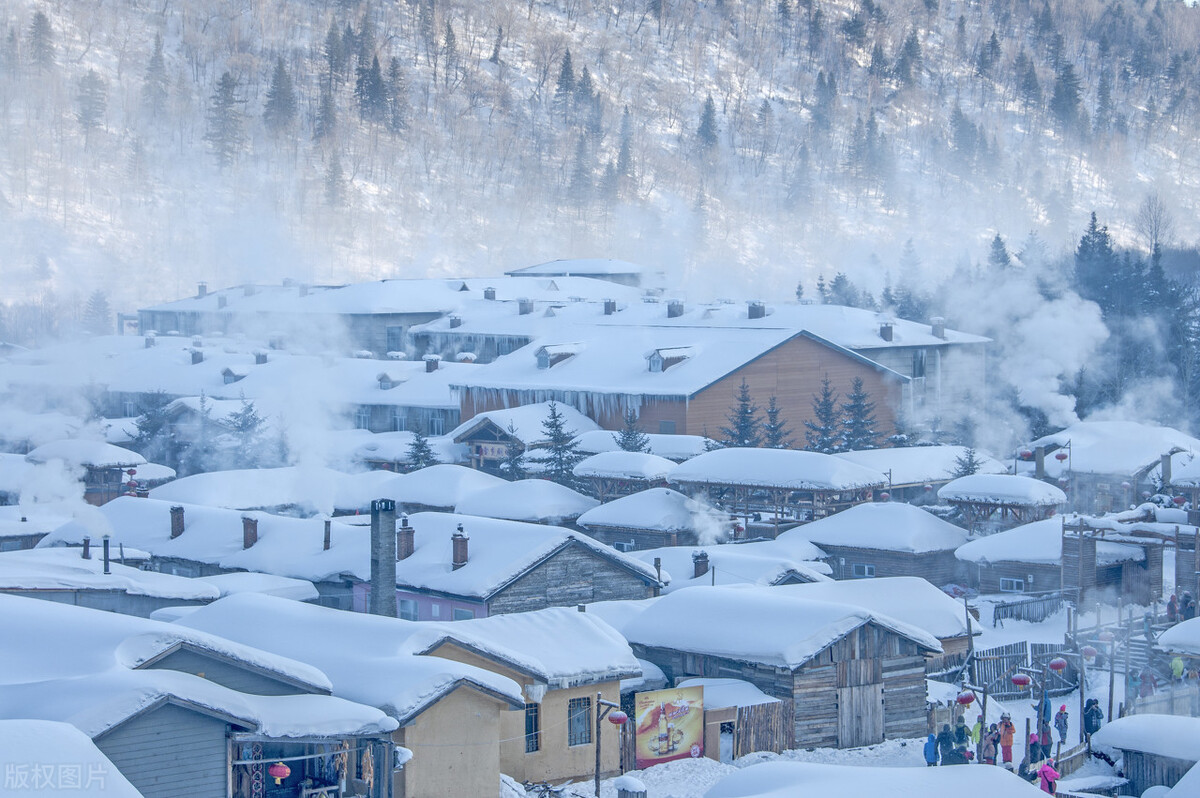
602,709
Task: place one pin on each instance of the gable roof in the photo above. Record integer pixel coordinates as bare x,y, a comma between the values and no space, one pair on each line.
527,422
1113,447
1039,543
65,569
887,526
733,564
908,599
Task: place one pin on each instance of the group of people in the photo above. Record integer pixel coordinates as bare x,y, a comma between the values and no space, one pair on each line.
1181,609
995,741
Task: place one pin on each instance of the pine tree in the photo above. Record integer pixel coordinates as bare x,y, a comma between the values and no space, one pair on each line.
92,101
280,109
878,67
564,88
224,133
420,454
246,425
1029,89
630,437
41,42
97,317
776,433
198,456
1104,104
584,89
335,182
154,439
821,433
371,93
513,465
908,63
397,96
335,58
326,120
998,257
1096,266
858,419
745,423
1064,104
966,464
708,132
561,453
154,84
450,49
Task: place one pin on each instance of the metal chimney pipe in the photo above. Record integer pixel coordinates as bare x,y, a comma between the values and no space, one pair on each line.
325,544
87,548
107,569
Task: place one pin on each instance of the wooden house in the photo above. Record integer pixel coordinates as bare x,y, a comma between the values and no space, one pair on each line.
654,518
106,468
989,502
755,563
53,757
887,539
489,435
1157,750
915,472
611,475
854,677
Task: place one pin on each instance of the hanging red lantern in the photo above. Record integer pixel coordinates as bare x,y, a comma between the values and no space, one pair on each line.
1088,651
966,698
279,772
1021,679
617,717
1060,456
929,487
1057,664
1179,501
1026,454
885,496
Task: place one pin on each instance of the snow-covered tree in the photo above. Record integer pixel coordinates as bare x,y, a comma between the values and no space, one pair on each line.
420,454
745,423
967,463
561,453
513,465
630,437
280,110
776,432
822,433
224,133
246,426
858,419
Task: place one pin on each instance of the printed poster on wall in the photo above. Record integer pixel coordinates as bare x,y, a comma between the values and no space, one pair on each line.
669,725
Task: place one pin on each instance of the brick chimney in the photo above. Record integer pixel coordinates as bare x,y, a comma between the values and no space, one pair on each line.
383,558
326,543
455,321
937,326
87,548
489,293
150,341
885,330
699,563
674,309
432,362
260,358
524,307
458,542
176,521
405,539
249,531
201,290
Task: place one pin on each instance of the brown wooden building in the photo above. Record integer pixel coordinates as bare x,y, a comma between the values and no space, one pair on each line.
1157,749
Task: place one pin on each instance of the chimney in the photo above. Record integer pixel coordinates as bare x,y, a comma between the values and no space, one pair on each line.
248,290
325,544
176,521
458,542
197,341
383,558
524,307
658,576
222,301
674,309
87,548
756,310
201,290
249,531
260,358
302,289
938,327
581,607
672,538
885,330
197,356
699,563
455,321
107,561
1039,462
1165,467
150,341
610,307
431,363
489,294
405,539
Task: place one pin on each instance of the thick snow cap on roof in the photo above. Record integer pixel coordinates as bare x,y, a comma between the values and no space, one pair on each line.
86,454
732,564
310,488
1114,447
1182,638
368,658
266,584
1174,736
671,447
1001,489
661,510
54,747
909,599
65,569
889,526
729,693
755,625
625,465
1039,543
442,485
534,500
788,469
915,465
527,422
790,779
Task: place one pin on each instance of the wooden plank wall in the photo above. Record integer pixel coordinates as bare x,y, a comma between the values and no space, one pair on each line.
1148,770
763,727
939,568
575,575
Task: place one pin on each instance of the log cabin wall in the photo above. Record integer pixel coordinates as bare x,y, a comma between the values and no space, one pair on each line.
940,567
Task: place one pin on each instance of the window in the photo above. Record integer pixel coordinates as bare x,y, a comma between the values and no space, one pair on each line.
918,367
863,571
543,359
579,717
1008,585
407,609
435,611
656,362
395,339
533,728
437,425
398,421
129,408
362,419
463,615
666,428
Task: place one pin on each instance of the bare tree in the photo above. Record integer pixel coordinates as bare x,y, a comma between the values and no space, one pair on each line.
1154,222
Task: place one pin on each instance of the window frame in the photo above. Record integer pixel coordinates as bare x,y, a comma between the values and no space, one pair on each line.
533,728
868,570
579,710
463,614
1013,583
408,609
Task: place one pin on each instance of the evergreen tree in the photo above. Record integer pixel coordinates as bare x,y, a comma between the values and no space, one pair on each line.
1096,266
513,465
966,464
495,56
908,63
585,91
450,49
561,453
564,88
326,115
745,423
630,437
154,439
246,425
708,132
335,182
1064,104
397,96
280,109
154,85
92,101
198,454
370,92
1104,104
878,67
625,154
821,433
858,419
1029,89
998,257
97,317
335,58
224,132
365,41
41,42
776,433
420,454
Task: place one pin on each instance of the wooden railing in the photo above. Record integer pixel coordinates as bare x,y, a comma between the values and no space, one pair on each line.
1035,609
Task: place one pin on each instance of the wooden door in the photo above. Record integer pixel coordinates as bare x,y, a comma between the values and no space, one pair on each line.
860,715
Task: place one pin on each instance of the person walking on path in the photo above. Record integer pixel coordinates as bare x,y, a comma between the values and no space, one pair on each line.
1177,669
945,742
931,751
1007,732
961,735
1173,610
1048,776
1060,723
991,739
1093,716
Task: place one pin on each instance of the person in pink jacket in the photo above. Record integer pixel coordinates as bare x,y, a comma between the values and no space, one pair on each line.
1048,776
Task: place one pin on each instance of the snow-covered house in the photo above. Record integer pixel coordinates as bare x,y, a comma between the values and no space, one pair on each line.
389,451
1156,750
537,501
853,676
21,528
887,539
787,485
488,435
179,711
295,490
45,758
675,448
914,472
438,488
452,713
734,564
653,518
106,468
1000,501
1183,639
620,272
611,475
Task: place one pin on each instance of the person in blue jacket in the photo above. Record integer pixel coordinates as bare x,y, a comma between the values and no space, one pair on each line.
931,751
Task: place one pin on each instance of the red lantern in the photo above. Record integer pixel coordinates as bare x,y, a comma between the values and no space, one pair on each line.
1088,651
131,471
1021,679
885,496
1063,481
1060,456
1026,454
1057,664
279,772
1179,501
617,717
966,698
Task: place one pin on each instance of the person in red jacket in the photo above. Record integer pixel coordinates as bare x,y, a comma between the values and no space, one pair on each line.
1048,777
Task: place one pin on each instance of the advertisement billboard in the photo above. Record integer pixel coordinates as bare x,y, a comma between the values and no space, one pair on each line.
669,725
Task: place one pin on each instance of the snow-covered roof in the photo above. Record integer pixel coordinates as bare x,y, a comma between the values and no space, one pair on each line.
1187,473
442,485
652,678
266,584
1039,543
916,465
789,779
789,469
1174,736
762,625
1182,638
889,526
625,465
309,488
1002,489
85,453
660,510
908,599
37,428
368,658
45,758
65,569
731,564
581,266
729,693
14,472
393,447
534,500
1114,447
19,520
620,612
672,447
558,646
526,422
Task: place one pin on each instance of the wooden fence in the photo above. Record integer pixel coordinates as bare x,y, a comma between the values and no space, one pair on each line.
763,727
1034,609
1170,699
993,669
